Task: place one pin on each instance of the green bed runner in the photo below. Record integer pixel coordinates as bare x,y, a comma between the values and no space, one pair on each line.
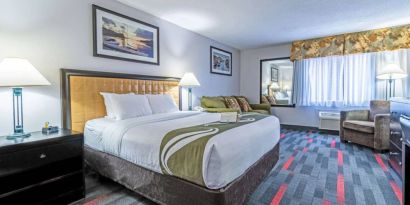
182,150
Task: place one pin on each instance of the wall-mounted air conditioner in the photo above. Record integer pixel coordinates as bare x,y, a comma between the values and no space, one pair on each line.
329,120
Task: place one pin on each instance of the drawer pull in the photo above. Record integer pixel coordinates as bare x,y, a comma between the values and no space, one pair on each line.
401,139
42,156
400,163
394,153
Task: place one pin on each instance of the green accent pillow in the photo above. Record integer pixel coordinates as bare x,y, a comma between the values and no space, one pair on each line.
213,102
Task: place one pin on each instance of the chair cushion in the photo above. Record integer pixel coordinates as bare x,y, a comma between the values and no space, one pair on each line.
213,102
361,126
265,112
243,102
232,103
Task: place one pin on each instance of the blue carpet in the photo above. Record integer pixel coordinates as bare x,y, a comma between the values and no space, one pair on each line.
314,168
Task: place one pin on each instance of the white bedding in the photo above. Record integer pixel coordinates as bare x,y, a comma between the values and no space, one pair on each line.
138,140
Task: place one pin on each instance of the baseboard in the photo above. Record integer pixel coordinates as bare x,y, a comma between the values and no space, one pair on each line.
300,127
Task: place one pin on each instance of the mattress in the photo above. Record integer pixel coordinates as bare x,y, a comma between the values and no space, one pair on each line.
227,155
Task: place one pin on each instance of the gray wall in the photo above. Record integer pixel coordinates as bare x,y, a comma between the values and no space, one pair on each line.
54,34
250,71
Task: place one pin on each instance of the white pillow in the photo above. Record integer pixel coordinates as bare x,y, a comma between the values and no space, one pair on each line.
130,106
108,104
162,103
124,106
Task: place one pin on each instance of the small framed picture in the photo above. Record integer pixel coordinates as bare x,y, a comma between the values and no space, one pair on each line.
221,61
274,74
120,37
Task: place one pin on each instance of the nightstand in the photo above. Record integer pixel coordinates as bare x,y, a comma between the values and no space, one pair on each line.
46,169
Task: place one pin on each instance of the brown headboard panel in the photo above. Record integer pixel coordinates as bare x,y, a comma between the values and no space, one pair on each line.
81,99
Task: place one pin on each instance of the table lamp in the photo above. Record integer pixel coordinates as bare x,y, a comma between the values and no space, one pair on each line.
189,80
391,72
17,73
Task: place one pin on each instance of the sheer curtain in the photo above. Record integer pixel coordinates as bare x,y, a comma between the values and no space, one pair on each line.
346,81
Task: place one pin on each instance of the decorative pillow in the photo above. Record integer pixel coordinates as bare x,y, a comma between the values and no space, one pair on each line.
232,103
265,100
243,102
271,100
162,104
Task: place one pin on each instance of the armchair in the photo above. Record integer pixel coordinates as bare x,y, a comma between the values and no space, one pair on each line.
370,128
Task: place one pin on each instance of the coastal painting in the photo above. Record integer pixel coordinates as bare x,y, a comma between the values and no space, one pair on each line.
221,61
123,38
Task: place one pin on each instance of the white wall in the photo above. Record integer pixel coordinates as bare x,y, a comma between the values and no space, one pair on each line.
54,34
250,69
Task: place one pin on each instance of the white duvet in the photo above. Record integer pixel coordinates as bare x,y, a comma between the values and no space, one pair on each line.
138,140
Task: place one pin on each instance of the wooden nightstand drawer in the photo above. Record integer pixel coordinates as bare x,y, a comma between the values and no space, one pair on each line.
32,158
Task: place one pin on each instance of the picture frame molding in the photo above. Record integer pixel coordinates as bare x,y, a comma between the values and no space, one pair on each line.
210,62
94,22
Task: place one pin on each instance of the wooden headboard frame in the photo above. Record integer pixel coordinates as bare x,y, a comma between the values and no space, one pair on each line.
136,80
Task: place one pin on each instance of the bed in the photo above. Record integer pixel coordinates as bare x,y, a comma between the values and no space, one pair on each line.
141,153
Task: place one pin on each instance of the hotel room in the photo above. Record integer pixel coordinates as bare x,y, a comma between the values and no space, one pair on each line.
182,102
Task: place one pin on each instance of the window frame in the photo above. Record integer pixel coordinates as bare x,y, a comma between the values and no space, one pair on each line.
260,80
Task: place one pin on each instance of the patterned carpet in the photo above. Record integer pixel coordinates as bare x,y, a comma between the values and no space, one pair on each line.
314,168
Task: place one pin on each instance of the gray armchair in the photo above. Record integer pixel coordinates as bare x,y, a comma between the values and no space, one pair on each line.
367,127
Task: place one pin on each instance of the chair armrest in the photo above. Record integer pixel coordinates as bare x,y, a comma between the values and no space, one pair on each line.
218,110
381,131
266,107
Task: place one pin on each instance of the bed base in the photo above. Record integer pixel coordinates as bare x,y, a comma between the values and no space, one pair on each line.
169,190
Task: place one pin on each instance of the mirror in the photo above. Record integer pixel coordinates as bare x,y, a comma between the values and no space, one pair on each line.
276,82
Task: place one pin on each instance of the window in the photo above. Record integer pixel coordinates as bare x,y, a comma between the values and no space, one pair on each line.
347,81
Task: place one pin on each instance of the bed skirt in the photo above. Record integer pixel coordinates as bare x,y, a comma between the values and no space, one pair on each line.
169,190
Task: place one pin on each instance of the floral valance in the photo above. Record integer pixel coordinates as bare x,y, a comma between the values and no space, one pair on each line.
361,42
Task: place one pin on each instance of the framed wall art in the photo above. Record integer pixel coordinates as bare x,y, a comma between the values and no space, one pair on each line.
221,61
120,37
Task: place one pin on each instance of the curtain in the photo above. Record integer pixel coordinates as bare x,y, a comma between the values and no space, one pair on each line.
347,81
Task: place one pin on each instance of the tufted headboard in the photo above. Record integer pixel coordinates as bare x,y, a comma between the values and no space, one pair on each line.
81,99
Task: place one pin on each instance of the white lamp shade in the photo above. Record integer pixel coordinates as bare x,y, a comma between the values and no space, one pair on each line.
189,80
391,71
17,72
275,86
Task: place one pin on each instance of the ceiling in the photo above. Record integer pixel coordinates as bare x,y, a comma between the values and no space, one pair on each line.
245,24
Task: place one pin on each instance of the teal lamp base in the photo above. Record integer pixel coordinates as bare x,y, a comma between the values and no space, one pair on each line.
190,99
18,115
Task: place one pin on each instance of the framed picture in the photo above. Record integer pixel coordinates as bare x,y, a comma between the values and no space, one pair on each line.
117,36
274,74
221,61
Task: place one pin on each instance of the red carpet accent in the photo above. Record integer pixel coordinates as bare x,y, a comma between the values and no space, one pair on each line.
305,149
96,200
326,202
310,140
340,189
339,158
288,163
279,195
397,191
333,143
282,136
380,162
